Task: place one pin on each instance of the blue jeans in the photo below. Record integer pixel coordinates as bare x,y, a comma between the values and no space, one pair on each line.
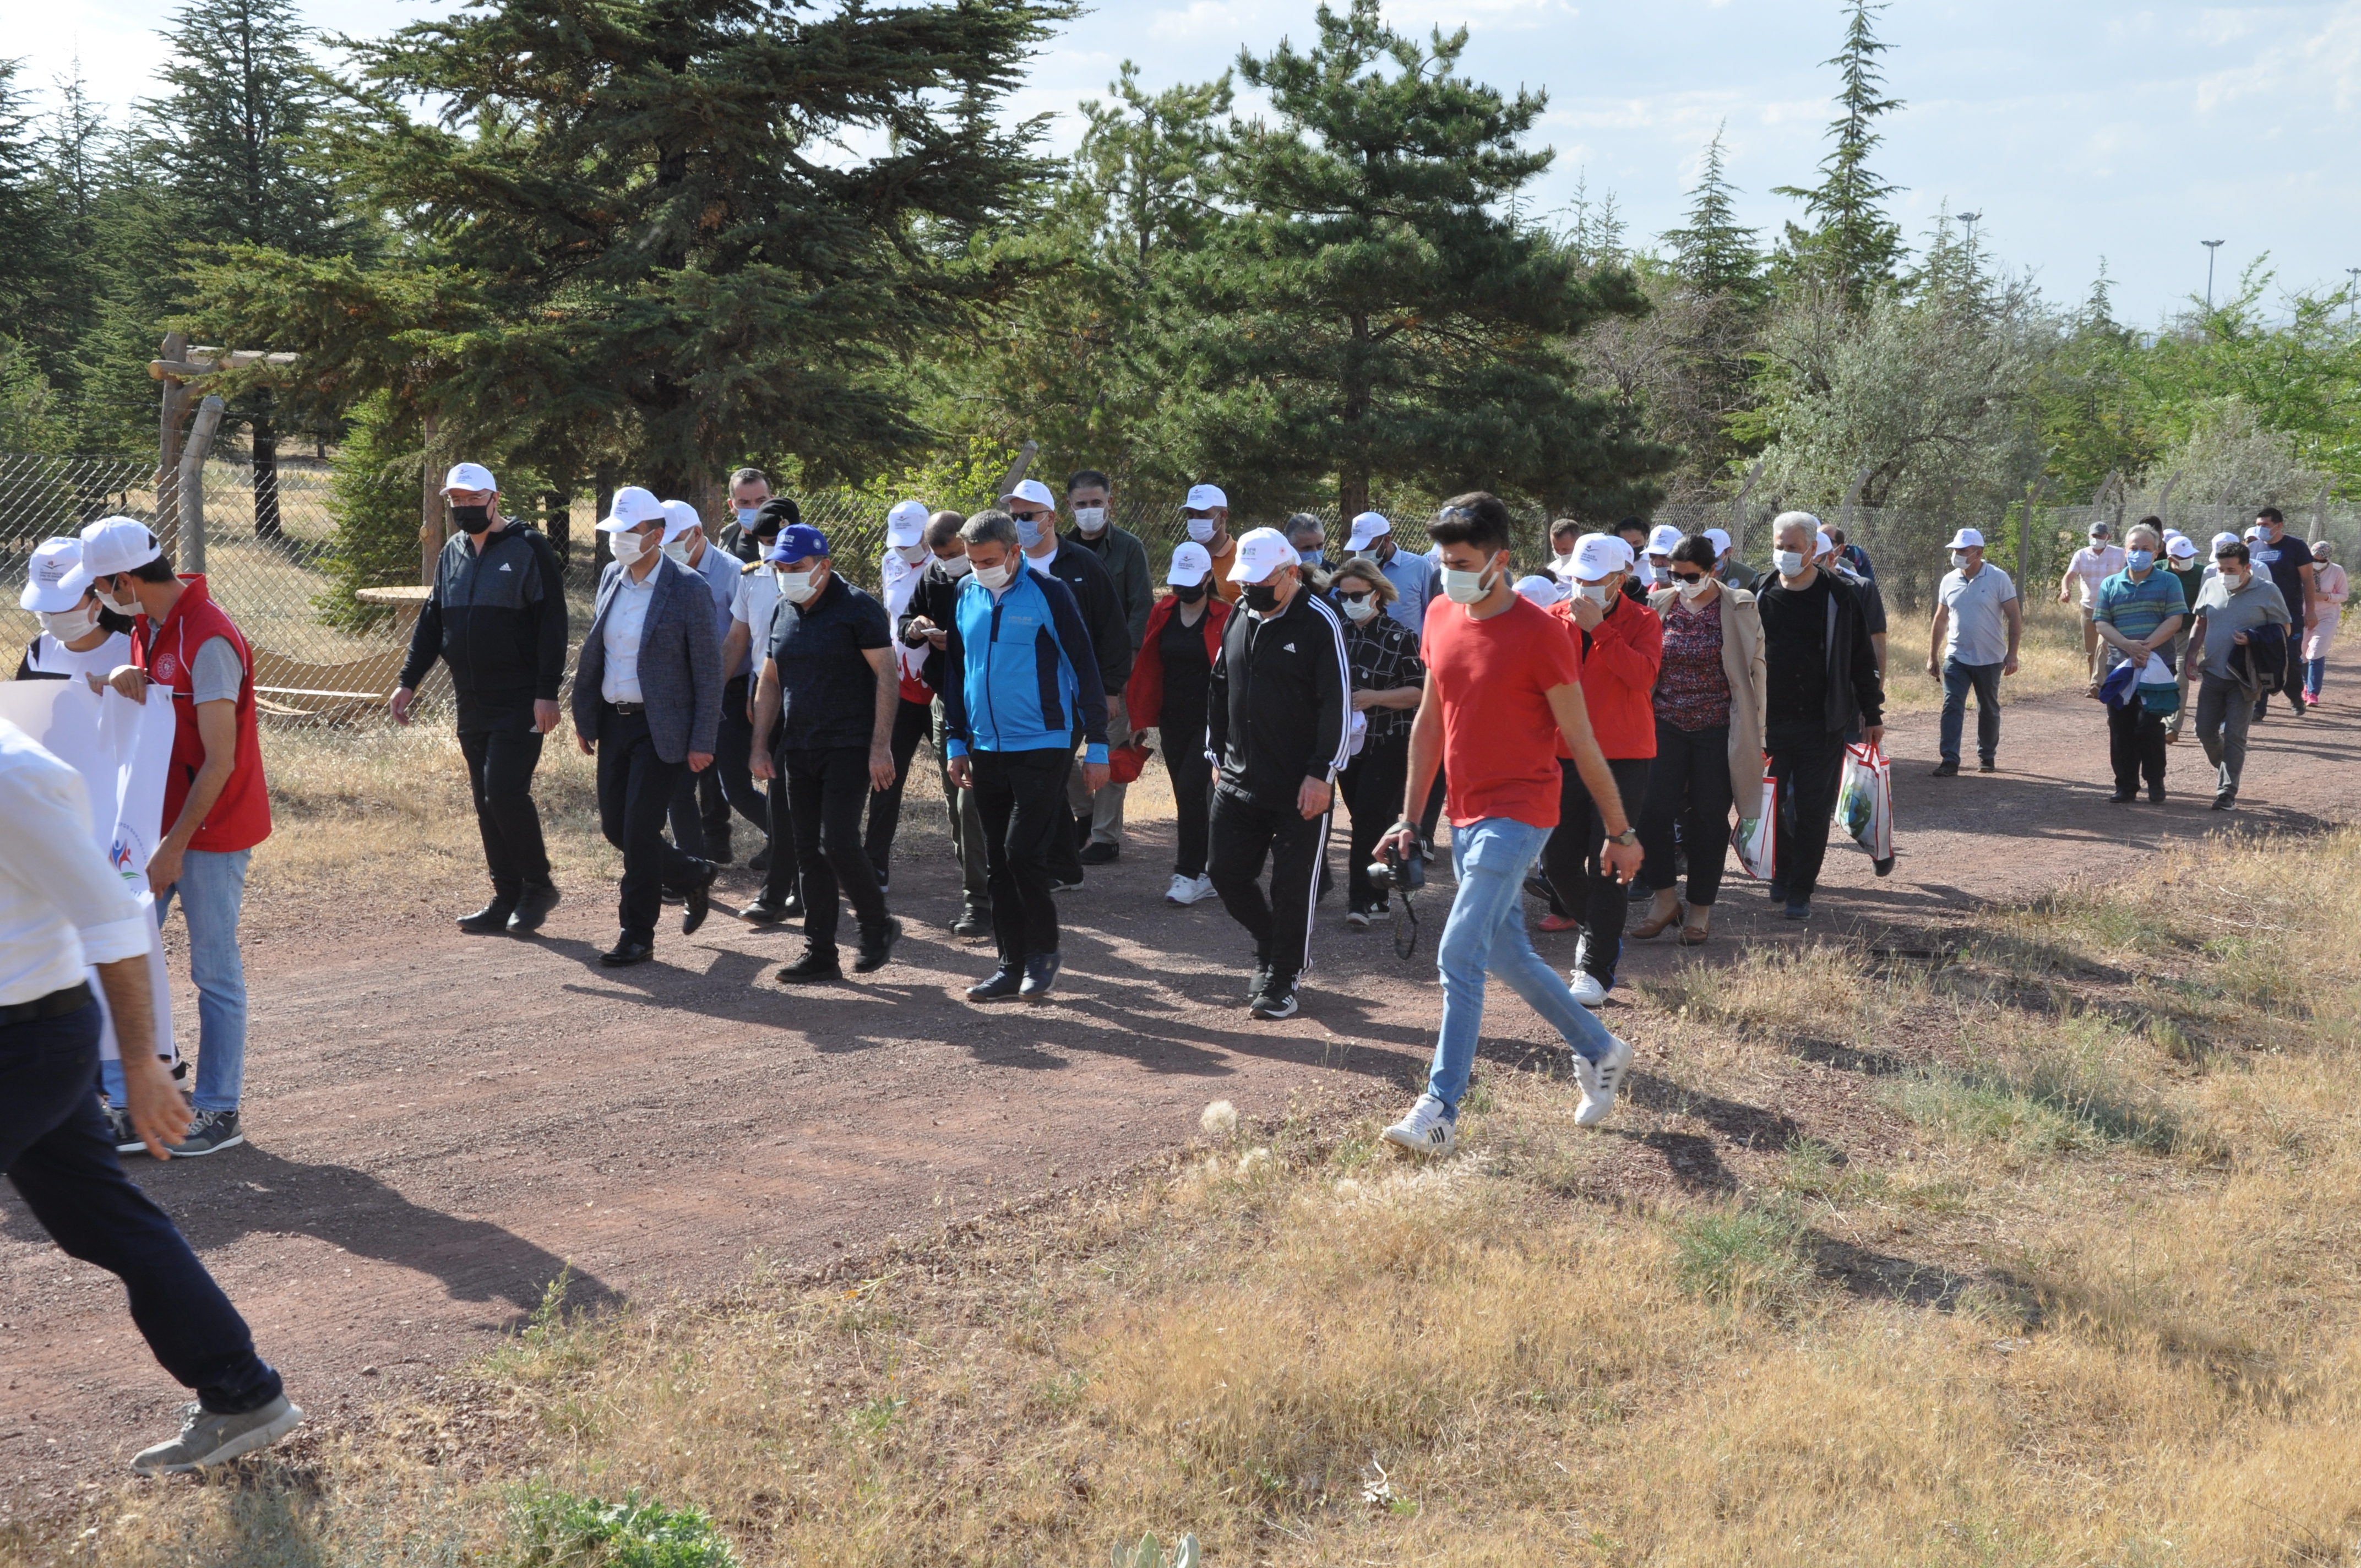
59,1158
2313,669
211,889
1486,932
1957,679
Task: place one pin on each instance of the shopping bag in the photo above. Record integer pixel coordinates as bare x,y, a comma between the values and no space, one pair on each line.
1865,801
1756,837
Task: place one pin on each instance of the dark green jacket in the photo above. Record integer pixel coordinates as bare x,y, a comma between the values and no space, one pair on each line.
1125,560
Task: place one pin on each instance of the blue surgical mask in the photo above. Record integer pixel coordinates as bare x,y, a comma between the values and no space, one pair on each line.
746,516
1313,557
2139,560
1028,533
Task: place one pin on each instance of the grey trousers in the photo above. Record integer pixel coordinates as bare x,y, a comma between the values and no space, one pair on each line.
967,829
2224,709
1105,809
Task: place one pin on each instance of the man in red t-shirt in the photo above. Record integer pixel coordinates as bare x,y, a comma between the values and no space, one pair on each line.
1503,682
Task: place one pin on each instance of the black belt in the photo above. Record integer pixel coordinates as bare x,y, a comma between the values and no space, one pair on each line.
56,1004
629,709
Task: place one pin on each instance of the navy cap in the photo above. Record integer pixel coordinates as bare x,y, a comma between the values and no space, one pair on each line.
796,542
779,511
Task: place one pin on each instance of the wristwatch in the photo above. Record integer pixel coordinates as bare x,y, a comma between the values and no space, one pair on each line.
1628,837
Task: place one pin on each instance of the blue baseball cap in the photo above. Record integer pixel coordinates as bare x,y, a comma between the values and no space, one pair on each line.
798,541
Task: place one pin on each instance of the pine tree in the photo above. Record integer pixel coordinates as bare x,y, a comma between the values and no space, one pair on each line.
1715,255
1855,247
27,257
1375,311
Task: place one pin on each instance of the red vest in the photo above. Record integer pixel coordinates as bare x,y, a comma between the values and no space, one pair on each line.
241,817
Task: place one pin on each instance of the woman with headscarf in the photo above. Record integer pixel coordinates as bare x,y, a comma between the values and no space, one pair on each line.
2328,588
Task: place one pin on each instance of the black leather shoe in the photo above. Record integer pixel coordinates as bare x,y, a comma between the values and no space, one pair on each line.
971,927
876,947
762,912
1946,768
1097,854
1005,981
490,920
2156,795
2122,796
533,909
627,951
698,899
817,964
1041,975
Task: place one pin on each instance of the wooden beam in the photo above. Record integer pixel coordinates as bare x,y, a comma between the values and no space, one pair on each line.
188,364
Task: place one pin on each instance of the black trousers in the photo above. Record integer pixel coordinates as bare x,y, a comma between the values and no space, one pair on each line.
1183,735
912,720
1688,789
826,790
784,874
1579,879
2136,744
733,747
500,764
1807,768
635,794
1020,797
1242,836
1372,788
55,1148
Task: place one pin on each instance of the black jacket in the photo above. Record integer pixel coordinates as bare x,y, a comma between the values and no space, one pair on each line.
498,618
937,592
1276,711
1103,611
1852,698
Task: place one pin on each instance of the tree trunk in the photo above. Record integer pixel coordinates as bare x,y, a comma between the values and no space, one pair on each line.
557,520
603,544
1352,495
266,478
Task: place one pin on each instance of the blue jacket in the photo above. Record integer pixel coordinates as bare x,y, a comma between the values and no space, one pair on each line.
1011,664
680,661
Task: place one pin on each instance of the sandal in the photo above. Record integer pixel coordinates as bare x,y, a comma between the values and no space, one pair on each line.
1656,925
1696,936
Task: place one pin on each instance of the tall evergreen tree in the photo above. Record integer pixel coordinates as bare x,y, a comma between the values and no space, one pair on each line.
27,257
1375,311
1854,246
1714,255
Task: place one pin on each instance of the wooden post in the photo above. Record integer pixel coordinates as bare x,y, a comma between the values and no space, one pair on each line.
2033,494
1738,510
1024,456
190,554
430,506
2164,499
173,410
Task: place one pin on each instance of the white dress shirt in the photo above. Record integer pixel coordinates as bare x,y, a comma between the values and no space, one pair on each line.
627,618
63,907
758,597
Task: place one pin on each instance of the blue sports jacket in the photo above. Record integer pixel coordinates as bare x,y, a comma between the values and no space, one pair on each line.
1011,664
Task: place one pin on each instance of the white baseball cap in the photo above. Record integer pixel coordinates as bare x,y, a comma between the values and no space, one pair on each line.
471,477
1192,565
2224,537
1205,498
1598,556
1543,591
680,521
907,524
1966,537
54,580
1718,539
1034,491
1261,551
1663,539
2174,533
1367,528
631,506
114,544
1821,543
2181,548
2253,531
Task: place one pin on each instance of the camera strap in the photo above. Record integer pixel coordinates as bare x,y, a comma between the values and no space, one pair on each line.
1405,929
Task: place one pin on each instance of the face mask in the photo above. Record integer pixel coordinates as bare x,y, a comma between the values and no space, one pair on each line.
795,588
1361,608
1466,588
1692,592
1960,559
1789,562
1261,597
678,550
1190,594
1563,566
1313,557
2139,560
1658,576
994,577
746,516
2235,577
472,520
911,554
67,625
116,604
629,547
1091,520
1200,529
1596,593
957,565
1028,533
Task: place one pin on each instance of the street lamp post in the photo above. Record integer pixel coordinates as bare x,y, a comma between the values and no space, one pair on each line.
2352,296
1970,219
2210,246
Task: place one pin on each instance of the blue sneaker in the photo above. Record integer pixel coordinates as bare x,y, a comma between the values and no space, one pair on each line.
1041,975
1799,909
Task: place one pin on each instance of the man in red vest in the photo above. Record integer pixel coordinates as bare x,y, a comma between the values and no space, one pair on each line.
216,807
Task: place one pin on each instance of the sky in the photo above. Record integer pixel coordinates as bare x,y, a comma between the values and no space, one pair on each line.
2078,131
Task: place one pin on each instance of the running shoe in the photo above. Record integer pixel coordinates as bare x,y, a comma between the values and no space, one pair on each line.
1601,1080
1427,1130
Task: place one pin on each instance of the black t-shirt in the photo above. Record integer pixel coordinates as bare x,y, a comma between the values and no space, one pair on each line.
827,693
1187,668
1795,653
2285,561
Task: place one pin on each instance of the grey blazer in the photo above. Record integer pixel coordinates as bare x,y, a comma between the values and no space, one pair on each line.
680,661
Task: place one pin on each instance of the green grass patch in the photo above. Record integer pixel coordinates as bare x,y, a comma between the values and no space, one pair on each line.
559,1529
1742,1257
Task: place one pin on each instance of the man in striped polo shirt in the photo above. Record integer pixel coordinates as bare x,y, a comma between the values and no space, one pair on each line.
2137,611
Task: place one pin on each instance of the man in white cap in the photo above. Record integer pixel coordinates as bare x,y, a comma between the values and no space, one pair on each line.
79,636
900,570
1205,514
2091,565
1036,514
1090,497
217,802
1971,644
495,617
1411,576
1663,540
1277,715
647,703
1727,566
1166,693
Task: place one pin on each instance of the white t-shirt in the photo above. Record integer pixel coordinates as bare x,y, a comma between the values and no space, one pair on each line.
47,656
757,597
2092,565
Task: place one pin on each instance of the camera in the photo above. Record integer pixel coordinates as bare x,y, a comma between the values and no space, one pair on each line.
1403,873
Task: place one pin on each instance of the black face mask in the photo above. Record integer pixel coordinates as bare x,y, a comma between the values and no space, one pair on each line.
472,520
1190,593
1262,598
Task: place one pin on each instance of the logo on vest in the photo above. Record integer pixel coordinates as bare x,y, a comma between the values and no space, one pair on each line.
164,668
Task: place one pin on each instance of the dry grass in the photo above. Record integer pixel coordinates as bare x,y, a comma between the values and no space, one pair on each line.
2050,661
2057,1264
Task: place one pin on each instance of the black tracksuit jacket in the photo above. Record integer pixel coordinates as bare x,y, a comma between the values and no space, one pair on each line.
1278,709
498,618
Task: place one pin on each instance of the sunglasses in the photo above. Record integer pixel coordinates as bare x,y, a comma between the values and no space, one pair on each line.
1689,577
1355,599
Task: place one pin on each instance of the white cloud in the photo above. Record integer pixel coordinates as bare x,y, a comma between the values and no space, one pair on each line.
2322,67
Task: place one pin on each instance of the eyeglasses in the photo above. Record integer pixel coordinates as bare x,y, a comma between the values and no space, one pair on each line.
1355,599
1689,577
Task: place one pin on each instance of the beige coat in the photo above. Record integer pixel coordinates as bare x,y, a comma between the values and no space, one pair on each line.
1741,665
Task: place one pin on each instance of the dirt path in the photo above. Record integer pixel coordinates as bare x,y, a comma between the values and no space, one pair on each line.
440,1125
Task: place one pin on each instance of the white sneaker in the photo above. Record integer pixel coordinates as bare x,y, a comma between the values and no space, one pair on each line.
1188,890
1601,1080
1587,989
1427,1130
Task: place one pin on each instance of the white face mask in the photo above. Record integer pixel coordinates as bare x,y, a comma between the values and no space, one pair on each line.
911,554
629,547
678,550
70,625
957,565
994,577
1789,562
1090,520
1596,593
116,604
1960,559
795,588
1361,609
1201,529
1692,592
1466,588
1561,566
